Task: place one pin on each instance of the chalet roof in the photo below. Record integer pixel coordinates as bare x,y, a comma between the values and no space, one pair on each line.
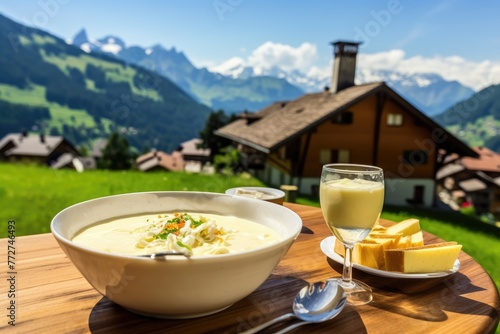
31,145
190,147
483,170
497,181
488,161
449,170
173,162
282,122
472,185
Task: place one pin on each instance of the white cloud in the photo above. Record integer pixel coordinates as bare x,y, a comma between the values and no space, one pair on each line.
476,75
320,73
269,55
286,57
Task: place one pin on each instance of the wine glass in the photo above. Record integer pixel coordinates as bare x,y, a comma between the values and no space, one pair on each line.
351,198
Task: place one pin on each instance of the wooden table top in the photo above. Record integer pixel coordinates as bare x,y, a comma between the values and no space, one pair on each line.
52,296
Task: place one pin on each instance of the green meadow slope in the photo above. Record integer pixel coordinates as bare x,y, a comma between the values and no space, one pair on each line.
52,87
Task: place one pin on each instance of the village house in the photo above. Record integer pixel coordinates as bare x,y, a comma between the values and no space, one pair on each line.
188,157
471,181
289,141
159,160
34,148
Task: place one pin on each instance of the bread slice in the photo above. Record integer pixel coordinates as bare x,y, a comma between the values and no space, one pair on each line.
424,259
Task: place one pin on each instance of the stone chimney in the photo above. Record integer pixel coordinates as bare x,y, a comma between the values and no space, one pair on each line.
344,65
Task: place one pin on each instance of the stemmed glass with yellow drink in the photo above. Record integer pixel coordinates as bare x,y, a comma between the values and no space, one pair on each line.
351,198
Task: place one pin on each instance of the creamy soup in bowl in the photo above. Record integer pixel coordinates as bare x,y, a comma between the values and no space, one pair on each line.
194,234
175,286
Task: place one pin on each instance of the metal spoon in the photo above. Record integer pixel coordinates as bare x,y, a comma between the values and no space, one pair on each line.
316,302
163,254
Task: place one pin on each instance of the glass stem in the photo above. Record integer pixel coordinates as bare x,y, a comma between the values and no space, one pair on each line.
347,270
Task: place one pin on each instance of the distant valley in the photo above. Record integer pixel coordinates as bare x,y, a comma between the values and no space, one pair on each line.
476,120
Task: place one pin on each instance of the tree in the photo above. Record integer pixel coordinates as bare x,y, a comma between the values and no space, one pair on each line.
116,155
215,120
493,144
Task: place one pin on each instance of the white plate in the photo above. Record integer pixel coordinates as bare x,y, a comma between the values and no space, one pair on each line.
327,245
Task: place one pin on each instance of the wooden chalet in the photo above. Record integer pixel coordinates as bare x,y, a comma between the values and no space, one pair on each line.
289,141
476,181
34,148
188,157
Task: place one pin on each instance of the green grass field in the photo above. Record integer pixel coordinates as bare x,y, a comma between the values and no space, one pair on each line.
32,195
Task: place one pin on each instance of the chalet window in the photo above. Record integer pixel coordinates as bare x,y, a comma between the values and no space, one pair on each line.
394,119
345,117
415,157
341,155
334,156
325,156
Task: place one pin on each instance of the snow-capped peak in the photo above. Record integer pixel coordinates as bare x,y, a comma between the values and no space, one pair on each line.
111,44
233,67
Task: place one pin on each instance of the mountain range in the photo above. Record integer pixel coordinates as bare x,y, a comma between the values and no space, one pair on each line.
237,84
217,91
51,87
427,91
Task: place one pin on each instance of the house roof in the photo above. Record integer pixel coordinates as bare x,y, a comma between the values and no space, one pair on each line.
282,122
190,147
173,162
31,145
488,161
449,170
483,170
472,185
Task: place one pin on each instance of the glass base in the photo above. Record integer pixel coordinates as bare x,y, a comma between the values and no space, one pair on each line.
357,292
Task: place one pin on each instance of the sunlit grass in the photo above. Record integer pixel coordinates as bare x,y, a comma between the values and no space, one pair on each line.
33,195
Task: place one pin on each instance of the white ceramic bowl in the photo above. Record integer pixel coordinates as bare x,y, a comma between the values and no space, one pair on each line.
270,194
177,287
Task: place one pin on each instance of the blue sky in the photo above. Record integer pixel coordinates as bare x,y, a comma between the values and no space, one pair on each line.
403,33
